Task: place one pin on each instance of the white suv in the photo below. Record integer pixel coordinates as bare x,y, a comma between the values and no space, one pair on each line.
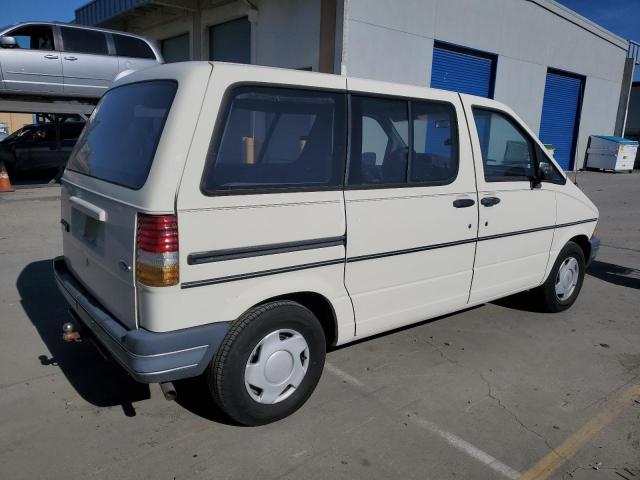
235,221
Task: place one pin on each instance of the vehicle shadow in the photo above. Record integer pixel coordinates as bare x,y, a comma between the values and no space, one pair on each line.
97,380
194,397
615,274
524,301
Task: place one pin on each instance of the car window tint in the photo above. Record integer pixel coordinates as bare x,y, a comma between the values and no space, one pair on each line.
33,37
79,40
435,143
380,138
507,154
132,47
71,131
120,139
279,138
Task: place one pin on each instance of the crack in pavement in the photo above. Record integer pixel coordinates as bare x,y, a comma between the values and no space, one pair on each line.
492,396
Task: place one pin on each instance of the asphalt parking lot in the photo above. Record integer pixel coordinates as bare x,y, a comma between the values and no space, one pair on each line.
498,391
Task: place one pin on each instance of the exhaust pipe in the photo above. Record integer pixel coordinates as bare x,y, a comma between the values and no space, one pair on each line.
168,390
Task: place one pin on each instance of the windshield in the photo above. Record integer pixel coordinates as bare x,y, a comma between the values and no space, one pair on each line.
120,140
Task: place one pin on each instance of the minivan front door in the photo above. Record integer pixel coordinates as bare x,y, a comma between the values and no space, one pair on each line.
411,207
517,215
86,64
34,66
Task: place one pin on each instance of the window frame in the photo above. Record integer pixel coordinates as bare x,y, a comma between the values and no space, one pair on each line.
538,151
54,33
520,130
218,131
113,38
155,149
408,183
107,40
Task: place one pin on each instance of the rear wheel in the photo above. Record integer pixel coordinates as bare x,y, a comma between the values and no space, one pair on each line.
268,364
563,285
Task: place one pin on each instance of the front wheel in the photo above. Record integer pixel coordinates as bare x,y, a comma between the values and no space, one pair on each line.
268,364
563,285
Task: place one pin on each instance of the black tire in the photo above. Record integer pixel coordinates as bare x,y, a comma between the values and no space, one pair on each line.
546,293
226,374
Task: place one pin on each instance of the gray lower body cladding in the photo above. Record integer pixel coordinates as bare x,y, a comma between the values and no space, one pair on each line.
149,357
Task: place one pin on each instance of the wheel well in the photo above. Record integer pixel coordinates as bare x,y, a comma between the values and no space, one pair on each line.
583,243
321,308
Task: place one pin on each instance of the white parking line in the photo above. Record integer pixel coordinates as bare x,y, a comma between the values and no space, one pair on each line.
453,440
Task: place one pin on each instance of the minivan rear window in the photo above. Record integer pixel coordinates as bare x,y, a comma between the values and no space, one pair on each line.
120,139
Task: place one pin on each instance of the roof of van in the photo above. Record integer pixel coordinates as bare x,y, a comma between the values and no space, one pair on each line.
256,72
320,75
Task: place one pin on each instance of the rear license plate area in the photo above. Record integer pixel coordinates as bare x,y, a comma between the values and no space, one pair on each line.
87,229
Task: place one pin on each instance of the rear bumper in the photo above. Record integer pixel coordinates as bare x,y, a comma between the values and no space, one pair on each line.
595,246
147,356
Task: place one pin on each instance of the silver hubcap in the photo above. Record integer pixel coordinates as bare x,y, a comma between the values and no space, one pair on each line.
567,278
277,366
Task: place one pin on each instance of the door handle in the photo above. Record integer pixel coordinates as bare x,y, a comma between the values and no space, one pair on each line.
490,201
463,203
51,57
71,59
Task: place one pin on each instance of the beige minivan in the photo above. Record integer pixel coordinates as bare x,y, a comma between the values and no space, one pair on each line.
233,222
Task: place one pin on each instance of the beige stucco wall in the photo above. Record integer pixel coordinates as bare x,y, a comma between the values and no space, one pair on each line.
15,120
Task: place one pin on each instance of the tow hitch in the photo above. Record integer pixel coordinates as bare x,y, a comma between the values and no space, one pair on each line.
70,333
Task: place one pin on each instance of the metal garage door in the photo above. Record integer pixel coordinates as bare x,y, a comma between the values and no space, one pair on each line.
462,70
560,110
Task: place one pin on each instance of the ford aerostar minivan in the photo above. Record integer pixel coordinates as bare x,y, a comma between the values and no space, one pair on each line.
235,221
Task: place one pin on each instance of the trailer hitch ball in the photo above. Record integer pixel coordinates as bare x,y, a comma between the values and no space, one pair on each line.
70,333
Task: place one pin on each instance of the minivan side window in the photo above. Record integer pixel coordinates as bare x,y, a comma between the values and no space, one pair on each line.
79,40
33,37
388,150
379,141
132,47
435,143
507,153
278,139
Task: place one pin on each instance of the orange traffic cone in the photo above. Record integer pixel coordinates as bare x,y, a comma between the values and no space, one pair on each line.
5,183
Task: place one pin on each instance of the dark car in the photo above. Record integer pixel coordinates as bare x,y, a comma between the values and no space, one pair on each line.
34,148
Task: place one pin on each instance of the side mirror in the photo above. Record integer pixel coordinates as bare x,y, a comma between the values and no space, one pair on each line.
8,42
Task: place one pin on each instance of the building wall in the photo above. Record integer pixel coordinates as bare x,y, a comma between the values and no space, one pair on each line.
285,33
386,42
15,121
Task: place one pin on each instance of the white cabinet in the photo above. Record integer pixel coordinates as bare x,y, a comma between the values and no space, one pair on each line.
611,153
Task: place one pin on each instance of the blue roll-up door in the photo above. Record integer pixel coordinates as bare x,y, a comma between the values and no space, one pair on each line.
461,70
560,110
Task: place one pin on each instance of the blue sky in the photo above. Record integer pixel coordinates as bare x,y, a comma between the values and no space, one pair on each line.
20,10
621,17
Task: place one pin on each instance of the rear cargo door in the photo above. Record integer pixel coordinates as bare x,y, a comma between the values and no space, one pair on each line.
102,190
99,248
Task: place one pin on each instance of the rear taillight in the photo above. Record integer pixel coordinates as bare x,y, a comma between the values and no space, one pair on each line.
157,250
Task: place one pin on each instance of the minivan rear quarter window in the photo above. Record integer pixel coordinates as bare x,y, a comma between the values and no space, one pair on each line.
132,47
120,140
278,139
